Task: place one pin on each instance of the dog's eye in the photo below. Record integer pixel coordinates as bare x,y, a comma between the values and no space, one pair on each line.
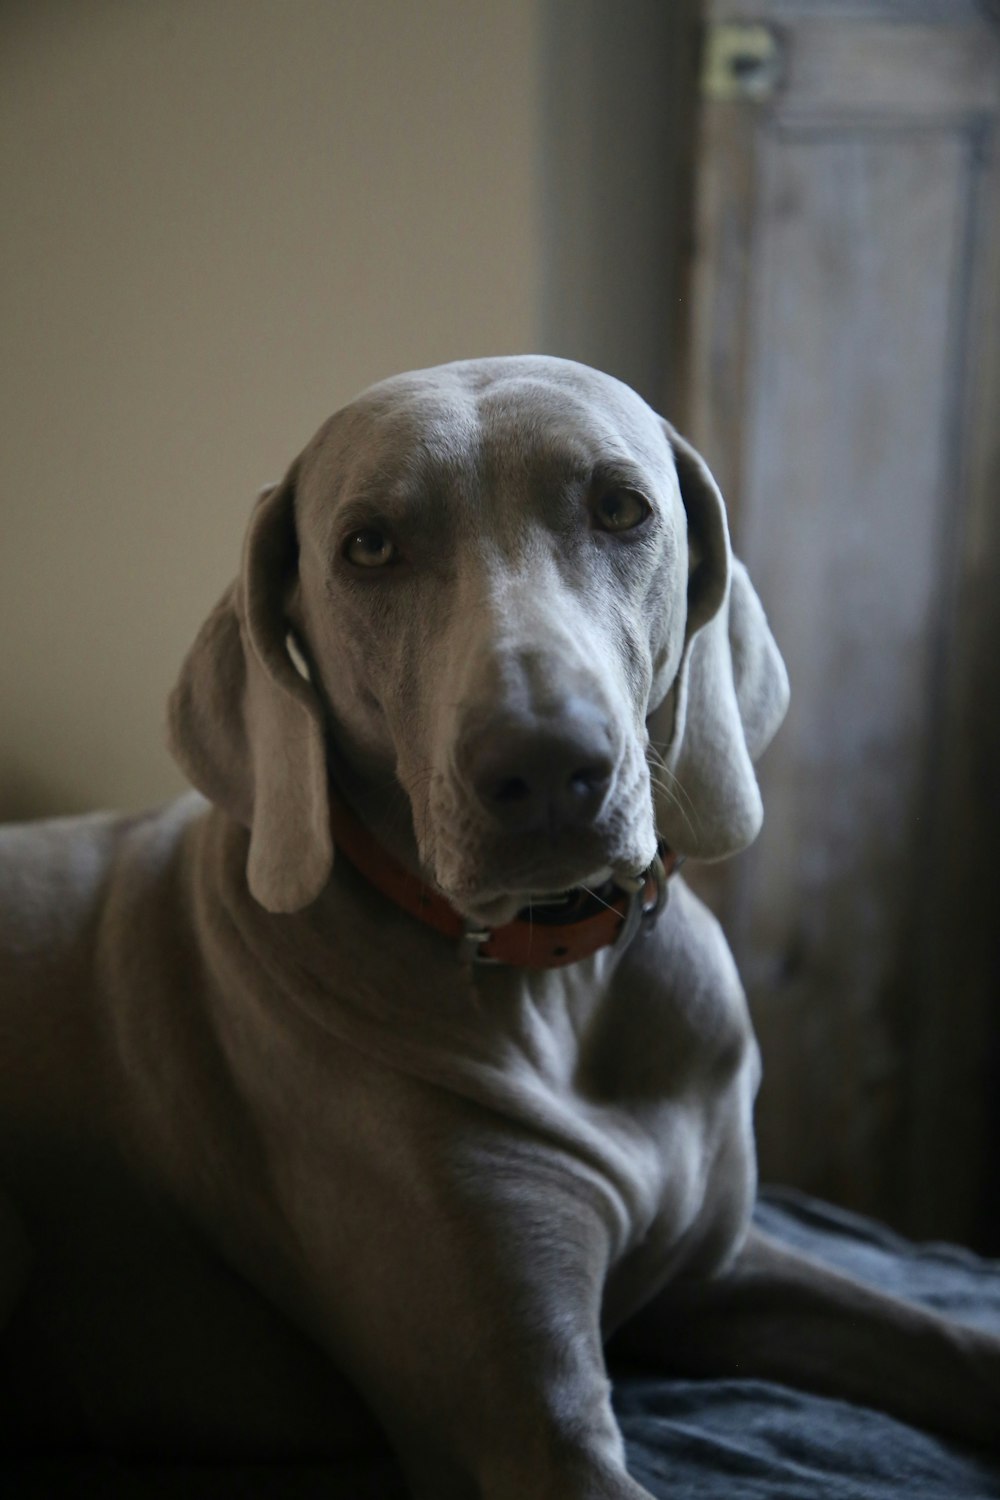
369,548
620,510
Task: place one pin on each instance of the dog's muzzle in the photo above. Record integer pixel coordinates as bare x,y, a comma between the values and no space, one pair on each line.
547,935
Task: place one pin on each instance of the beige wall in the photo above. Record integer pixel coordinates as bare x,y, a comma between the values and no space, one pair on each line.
221,218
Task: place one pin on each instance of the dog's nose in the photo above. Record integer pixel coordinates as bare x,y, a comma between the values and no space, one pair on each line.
550,772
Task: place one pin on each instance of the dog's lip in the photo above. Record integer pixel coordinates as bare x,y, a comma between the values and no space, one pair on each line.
495,905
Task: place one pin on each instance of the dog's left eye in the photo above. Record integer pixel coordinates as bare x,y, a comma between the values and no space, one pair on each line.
370,548
620,510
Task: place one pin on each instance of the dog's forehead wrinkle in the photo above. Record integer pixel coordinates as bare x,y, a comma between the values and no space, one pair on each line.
473,377
516,401
529,420
380,447
449,402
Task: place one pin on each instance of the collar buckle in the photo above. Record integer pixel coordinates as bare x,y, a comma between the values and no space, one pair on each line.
470,945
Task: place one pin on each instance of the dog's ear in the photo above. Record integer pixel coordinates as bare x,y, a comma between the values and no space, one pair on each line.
730,692
247,727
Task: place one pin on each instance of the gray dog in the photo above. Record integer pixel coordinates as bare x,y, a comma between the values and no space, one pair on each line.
442,1110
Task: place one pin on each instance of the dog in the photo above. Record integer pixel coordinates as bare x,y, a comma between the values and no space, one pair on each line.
395,1069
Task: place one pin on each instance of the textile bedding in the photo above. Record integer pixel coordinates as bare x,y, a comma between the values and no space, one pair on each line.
718,1439
714,1439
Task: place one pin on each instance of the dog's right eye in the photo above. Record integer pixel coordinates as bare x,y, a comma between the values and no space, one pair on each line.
370,548
621,510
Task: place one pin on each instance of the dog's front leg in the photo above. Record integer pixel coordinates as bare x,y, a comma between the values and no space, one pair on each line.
473,1331
781,1315
502,1409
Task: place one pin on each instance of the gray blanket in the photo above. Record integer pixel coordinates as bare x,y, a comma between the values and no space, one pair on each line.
710,1439
729,1438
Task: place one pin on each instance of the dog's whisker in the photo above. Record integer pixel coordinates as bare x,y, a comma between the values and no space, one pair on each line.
596,897
668,793
673,789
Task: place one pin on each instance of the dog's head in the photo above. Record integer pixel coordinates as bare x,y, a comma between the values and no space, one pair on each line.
511,592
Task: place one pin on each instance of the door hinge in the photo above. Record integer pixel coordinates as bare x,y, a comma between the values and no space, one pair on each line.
741,61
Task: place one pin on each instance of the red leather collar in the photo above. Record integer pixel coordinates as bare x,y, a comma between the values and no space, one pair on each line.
547,937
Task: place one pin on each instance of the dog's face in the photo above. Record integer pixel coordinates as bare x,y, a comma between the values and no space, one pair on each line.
493,580
496,572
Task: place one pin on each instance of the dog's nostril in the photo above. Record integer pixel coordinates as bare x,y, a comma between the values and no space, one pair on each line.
512,789
589,779
540,773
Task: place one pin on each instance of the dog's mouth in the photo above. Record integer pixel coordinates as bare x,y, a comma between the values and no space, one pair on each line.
490,873
546,885
496,908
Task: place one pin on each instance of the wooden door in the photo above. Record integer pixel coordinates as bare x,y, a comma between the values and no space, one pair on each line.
842,382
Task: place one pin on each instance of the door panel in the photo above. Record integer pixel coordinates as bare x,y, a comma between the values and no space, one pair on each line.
836,372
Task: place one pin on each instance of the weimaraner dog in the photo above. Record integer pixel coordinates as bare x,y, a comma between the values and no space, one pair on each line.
399,1061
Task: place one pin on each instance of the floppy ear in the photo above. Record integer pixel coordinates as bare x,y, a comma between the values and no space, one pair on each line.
247,727
730,692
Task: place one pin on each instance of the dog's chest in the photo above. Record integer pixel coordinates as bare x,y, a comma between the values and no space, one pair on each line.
640,1102
615,1092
